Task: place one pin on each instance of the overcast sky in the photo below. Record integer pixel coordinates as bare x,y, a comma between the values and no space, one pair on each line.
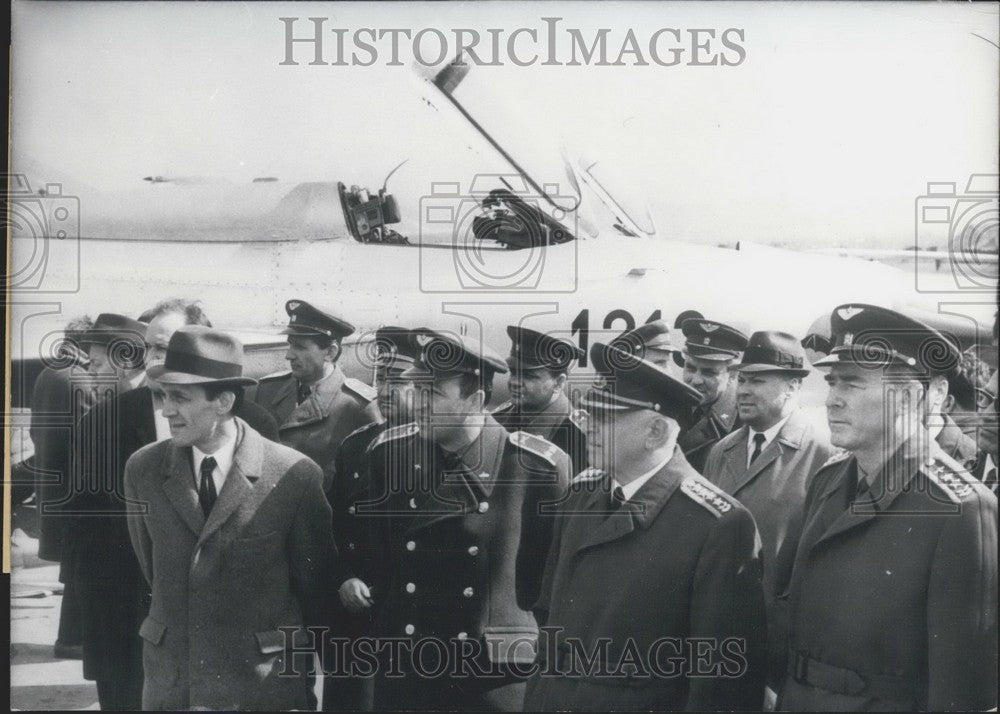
825,133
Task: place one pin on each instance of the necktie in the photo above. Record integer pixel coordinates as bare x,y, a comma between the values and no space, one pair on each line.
302,393
206,490
758,446
616,499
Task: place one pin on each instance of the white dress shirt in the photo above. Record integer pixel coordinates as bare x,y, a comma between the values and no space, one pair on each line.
769,436
223,462
631,487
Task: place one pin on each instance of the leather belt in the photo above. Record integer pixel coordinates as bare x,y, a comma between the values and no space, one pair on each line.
806,670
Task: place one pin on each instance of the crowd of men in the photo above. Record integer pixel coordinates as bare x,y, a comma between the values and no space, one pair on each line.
682,536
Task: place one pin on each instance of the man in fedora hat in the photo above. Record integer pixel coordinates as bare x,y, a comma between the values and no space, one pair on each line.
114,355
653,576
710,350
61,390
893,594
232,531
114,595
768,463
315,404
459,503
539,369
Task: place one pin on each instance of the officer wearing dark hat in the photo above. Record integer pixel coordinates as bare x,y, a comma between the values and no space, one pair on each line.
539,368
315,404
115,345
710,349
646,552
395,350
892,599
460,503
652,342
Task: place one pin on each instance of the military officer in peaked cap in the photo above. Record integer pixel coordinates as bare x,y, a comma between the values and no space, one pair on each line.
768,463
315,404
652,342
462,505
653,571
710,350
395,351
893,595
539,368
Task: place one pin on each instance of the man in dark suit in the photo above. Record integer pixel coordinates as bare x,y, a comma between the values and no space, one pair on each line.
539,369
460,506
768,463
315,404
654,574
232,532
114,595
893,594
60,396
711,348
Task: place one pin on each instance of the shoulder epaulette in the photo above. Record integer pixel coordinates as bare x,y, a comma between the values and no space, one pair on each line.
275,375
956,482
361,430
579,418
506,405
836,457
535,445
397,432
590,474
360,389
707,495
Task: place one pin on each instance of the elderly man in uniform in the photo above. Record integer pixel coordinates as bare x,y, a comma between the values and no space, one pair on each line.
464,512
654,574
395,350
315,404
710,350
768,463
893,595
539,368
234,538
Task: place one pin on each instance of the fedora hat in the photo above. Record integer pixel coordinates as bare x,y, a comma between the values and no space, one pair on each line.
774,352
109,327
201,355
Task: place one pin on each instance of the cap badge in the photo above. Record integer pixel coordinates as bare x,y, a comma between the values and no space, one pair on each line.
707,341
600,382
848,339
709,327
846,313
294,305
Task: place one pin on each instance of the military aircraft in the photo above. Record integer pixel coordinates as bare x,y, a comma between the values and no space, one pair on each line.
576,257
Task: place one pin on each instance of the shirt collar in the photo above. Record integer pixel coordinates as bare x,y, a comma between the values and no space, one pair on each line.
137,381
632,487
769,434
223,455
